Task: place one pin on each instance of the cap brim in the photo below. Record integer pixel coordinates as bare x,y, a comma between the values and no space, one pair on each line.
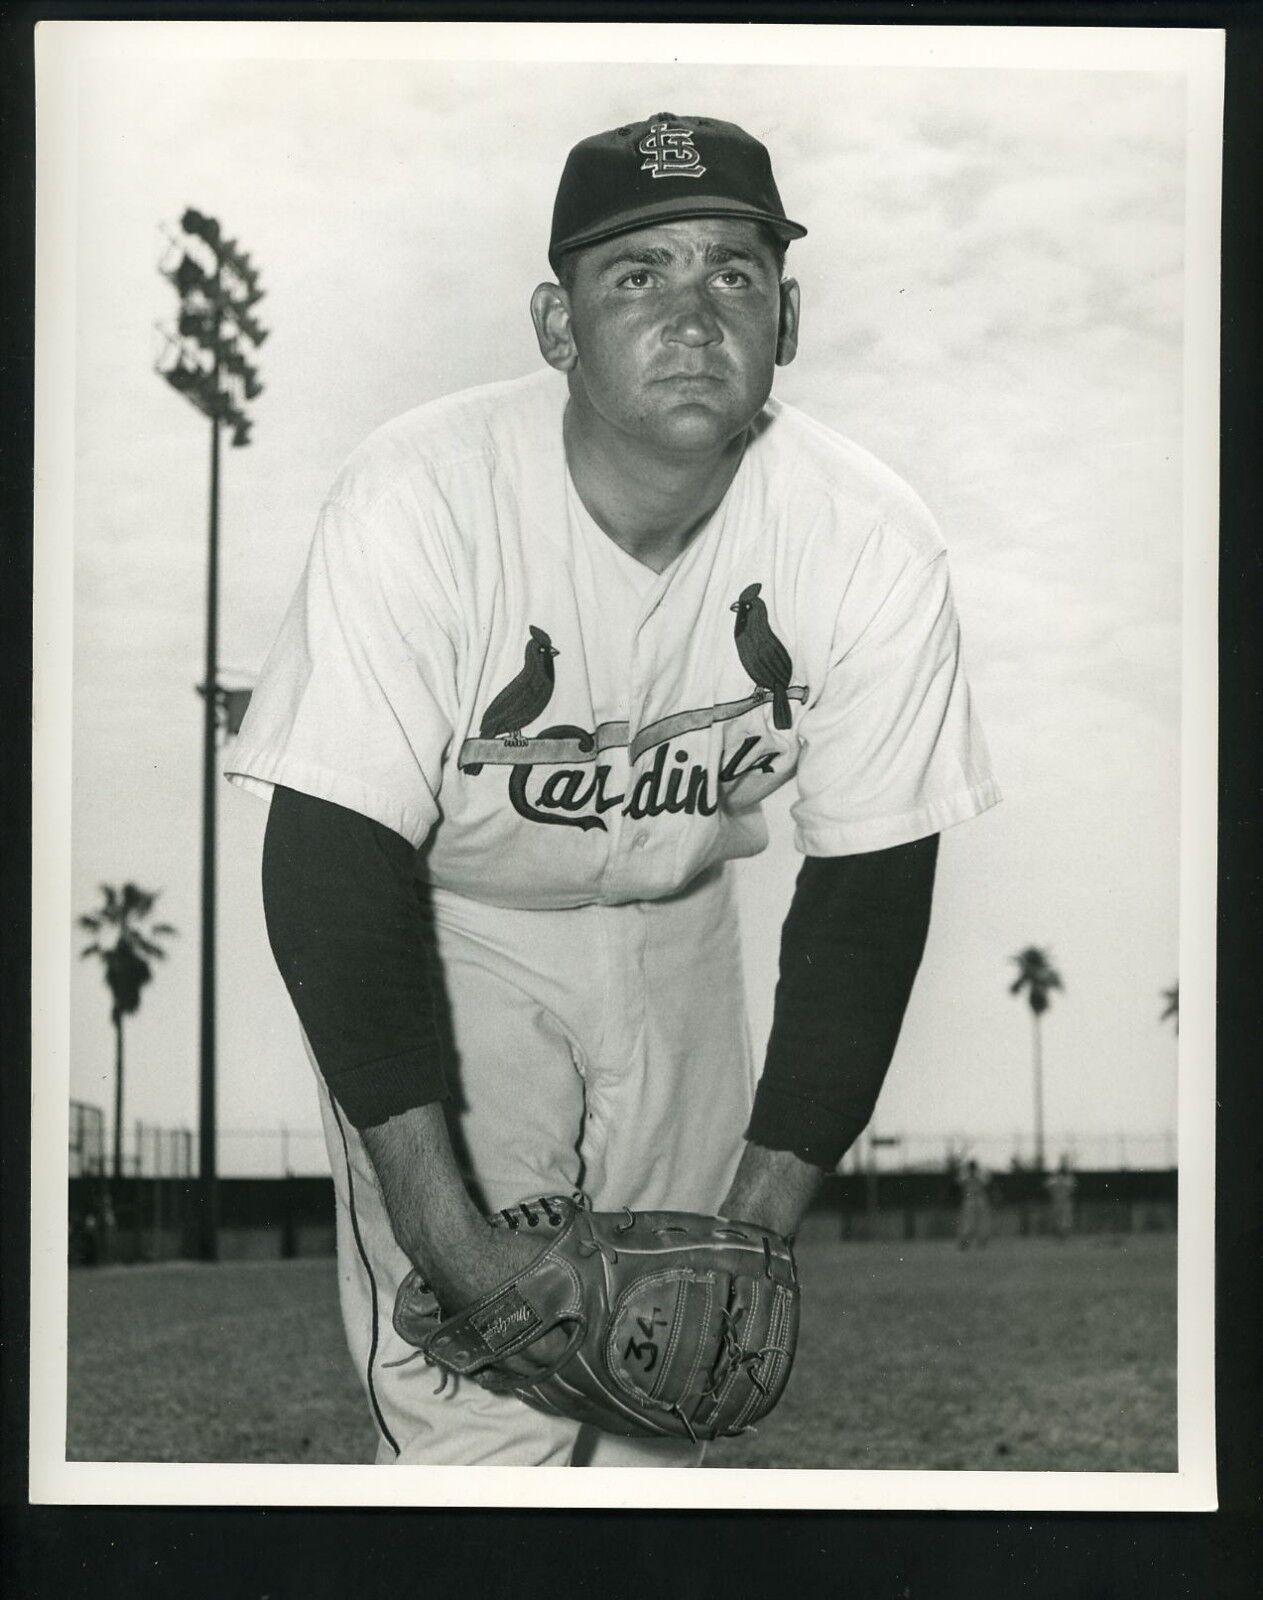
673,211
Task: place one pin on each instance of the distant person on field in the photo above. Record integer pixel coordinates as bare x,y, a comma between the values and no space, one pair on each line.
975,1206
91,1239
1061,1186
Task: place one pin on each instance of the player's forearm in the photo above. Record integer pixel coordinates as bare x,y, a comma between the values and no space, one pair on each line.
432,1216
772,1188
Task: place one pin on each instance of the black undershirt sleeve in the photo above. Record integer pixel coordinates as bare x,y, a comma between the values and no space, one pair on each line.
348,933
850,949
347,930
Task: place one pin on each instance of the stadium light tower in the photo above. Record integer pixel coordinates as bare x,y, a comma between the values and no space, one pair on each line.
203,358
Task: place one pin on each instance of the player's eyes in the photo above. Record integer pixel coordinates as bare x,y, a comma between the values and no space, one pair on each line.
725,278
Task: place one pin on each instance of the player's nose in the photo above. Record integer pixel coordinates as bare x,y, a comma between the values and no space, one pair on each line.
691,320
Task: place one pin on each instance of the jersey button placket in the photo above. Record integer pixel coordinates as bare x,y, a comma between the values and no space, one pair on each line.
643,670
633,837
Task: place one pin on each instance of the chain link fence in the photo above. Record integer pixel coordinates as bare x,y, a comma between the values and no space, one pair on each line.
275,1196
274,1192
143,1211
889,1150
272,1152
87,1140
150,1151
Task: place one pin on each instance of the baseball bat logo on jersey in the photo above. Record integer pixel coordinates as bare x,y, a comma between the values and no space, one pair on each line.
577,789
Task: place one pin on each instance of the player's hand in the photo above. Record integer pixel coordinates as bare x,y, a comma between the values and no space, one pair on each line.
485,1258
492,1256
458,1252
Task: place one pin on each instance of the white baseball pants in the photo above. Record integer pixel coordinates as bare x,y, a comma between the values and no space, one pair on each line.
604,1048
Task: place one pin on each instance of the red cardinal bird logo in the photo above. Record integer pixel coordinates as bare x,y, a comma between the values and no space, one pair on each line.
522,700
762,654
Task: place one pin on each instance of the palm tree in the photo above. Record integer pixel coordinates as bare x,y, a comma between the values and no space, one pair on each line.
126,947
1037,975
1172,998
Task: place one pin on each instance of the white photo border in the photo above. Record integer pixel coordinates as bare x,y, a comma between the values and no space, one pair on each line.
62,48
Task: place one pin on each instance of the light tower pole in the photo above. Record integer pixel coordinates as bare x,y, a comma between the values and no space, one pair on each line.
203,360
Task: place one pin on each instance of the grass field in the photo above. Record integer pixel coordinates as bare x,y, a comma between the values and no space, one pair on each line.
1028,1356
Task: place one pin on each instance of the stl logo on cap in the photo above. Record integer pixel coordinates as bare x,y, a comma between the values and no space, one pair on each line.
668,147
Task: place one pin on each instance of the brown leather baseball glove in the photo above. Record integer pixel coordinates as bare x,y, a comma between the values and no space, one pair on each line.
674,1324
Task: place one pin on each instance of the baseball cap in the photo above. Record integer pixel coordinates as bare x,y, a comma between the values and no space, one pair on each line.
661,170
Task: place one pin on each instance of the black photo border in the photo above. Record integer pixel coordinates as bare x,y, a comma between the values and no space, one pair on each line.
187,1552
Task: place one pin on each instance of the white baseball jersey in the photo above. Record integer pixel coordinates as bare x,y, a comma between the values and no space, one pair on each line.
471,661
573,739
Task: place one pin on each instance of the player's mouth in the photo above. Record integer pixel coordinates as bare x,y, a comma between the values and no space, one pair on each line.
690,375
691,380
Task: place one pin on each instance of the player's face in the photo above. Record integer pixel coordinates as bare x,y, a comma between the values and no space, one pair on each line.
676,330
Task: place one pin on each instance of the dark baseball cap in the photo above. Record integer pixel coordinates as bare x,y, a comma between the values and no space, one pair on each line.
661,170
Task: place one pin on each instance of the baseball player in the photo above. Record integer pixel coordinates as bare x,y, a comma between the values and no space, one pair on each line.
556,641
974,1225
1061,1186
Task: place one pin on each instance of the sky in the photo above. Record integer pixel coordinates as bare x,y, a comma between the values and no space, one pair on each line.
992,295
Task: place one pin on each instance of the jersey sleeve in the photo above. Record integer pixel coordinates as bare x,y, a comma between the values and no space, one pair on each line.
891,749
357,699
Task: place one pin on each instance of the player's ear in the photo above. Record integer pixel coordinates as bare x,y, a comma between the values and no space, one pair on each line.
787,329
550,312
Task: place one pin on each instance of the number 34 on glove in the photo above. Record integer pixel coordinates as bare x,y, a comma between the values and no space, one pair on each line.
670,1324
